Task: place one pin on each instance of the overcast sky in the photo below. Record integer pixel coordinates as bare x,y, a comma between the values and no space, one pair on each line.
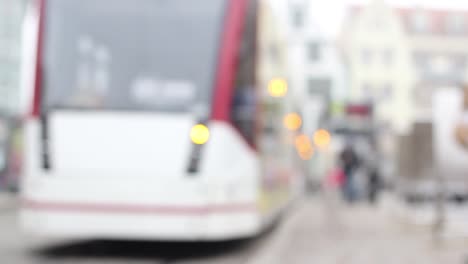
329,13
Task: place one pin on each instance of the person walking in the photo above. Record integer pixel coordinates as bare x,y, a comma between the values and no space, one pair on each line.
349,163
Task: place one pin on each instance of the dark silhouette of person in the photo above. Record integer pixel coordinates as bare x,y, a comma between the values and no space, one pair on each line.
349,163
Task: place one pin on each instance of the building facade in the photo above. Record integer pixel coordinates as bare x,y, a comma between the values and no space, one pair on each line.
378,58
317,73
398,58
437,42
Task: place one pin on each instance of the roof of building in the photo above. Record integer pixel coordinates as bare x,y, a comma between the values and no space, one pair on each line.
435,21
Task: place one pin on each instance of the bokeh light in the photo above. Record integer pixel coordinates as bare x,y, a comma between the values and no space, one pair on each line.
322,138
200,134
304,147
278,87
292,121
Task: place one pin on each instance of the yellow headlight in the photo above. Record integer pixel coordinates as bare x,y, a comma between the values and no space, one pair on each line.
200,134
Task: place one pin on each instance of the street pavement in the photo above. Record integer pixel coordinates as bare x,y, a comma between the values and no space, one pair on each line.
315,230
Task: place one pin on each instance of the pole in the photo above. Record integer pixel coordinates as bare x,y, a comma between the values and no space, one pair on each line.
440,210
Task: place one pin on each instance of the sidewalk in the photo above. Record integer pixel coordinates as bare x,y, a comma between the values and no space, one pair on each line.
357,235
8,201
422,217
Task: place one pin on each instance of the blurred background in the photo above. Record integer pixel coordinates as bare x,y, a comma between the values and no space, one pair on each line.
380,101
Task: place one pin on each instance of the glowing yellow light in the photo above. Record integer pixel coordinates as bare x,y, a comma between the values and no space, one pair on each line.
200,134
322,138
302,143
307,155
304,147
292,121
278,87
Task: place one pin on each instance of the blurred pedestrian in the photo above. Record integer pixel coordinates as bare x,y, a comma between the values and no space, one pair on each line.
349,163
374,186
374,181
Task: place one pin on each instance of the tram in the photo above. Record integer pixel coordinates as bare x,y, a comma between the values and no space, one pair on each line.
155,120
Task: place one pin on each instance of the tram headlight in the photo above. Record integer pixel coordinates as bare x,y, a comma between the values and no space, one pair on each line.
200,134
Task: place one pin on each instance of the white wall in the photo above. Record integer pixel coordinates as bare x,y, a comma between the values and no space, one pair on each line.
302,68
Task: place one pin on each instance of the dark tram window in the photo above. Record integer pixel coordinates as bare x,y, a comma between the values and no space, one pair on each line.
245,97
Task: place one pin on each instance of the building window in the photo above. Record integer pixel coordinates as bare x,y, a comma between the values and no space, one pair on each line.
420,59
388,57
455,24
422,62
366,91
366,56
422,95
460,61
420,22
320,86
377,24
298,16
314,51
387,91
441,65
